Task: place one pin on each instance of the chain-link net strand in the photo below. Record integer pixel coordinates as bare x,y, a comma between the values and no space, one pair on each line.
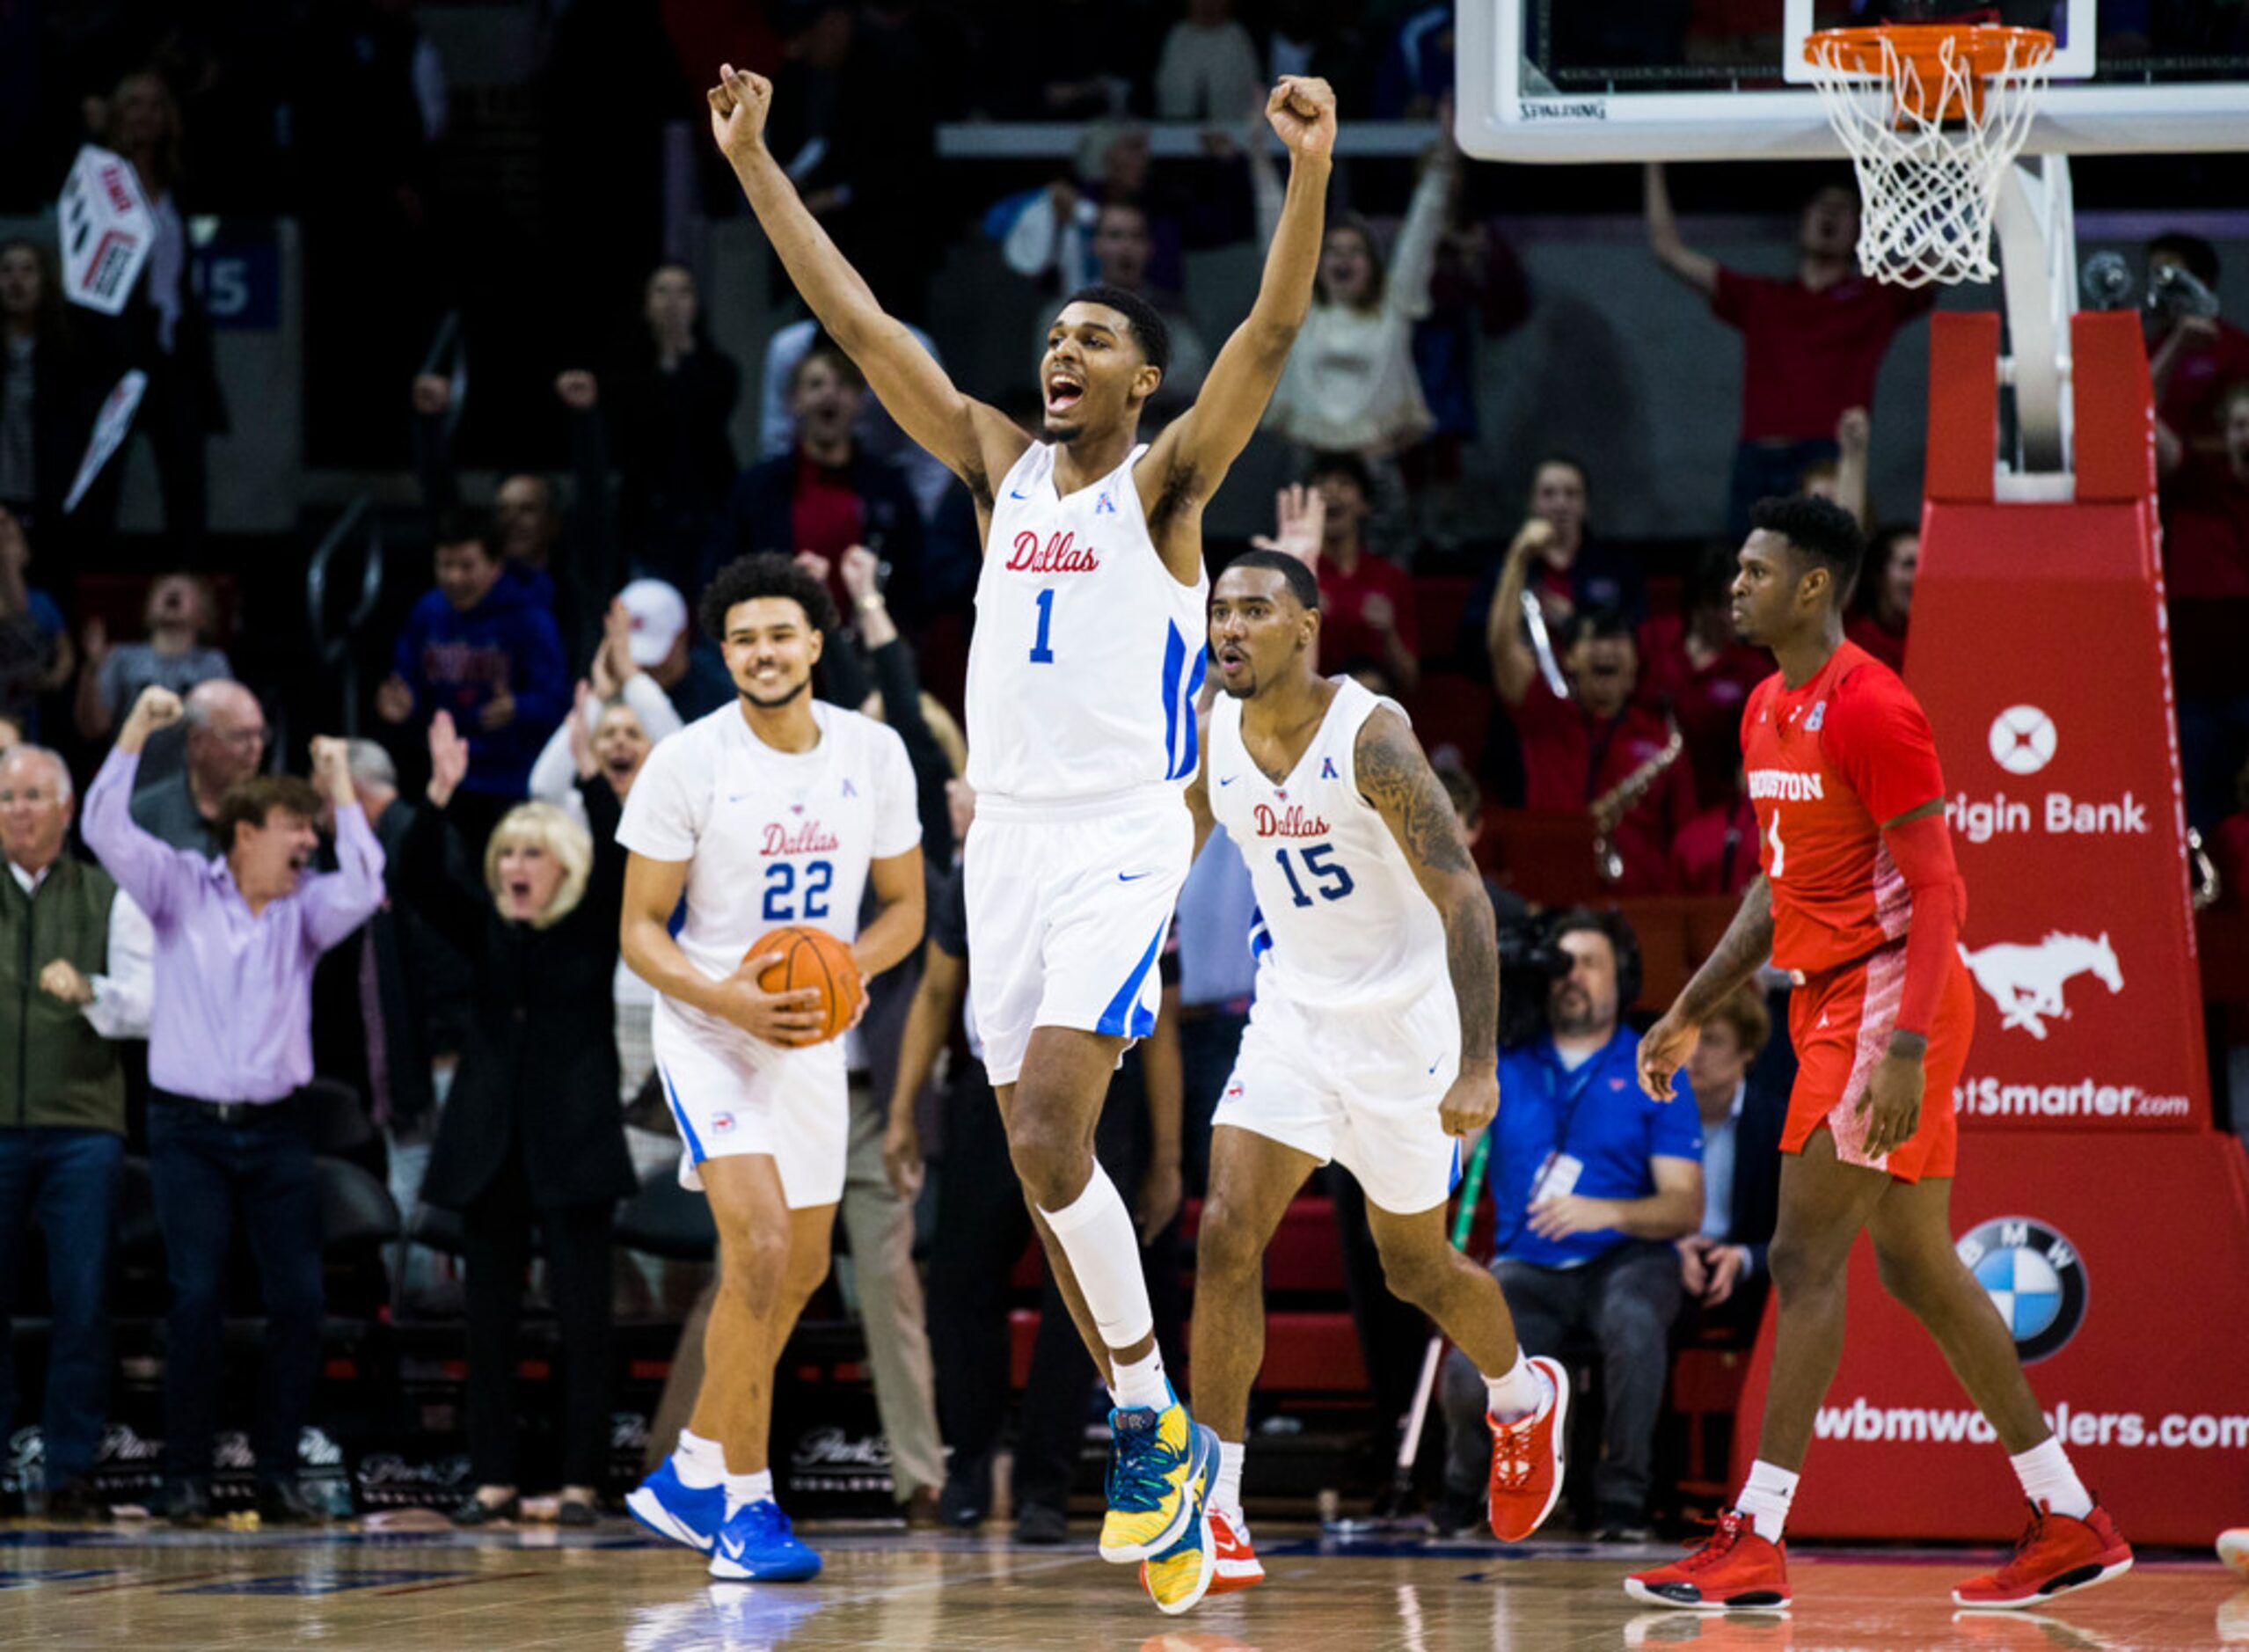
1932,115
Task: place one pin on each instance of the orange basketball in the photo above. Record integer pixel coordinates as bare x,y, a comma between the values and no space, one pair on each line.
813,958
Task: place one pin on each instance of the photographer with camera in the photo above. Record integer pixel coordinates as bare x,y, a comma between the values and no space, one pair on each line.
1591,1181
2195,355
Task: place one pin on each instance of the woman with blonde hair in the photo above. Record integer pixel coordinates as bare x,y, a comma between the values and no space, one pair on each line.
531,1129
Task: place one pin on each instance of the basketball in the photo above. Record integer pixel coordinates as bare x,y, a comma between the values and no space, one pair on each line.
813,958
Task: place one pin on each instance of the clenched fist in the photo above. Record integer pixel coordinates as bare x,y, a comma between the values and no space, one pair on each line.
739,105
1301,113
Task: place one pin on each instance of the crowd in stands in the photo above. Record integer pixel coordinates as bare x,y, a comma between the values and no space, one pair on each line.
433,919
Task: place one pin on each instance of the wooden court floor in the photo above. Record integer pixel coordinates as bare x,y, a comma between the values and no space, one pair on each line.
147,1590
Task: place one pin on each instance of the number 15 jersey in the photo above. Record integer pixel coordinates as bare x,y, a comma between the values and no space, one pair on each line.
1341,922
1087,654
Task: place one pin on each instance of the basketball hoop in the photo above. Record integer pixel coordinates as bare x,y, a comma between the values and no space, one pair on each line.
1933,114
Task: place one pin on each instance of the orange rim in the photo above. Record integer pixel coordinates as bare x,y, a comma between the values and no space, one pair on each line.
1984,49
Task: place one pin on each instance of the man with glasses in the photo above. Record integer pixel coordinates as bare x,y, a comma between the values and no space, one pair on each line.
225,745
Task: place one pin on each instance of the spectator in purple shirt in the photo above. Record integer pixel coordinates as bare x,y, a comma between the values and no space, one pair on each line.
229,1046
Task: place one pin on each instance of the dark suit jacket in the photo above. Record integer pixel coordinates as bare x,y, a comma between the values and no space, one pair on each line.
538,1072
1756,1169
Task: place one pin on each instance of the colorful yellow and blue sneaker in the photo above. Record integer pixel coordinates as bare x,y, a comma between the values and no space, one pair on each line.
1160,1467
1182,1575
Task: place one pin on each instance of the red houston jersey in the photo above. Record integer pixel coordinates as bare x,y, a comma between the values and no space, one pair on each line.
1827,763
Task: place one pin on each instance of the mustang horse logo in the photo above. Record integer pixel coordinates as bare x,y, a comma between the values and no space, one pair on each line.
2025,982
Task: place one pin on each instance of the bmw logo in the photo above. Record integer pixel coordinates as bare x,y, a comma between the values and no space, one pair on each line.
2034,1278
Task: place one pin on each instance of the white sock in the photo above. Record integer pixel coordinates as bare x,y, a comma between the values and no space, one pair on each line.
699,1463
1523,1391
1765,1496
1141,1385
1227,1494
2048,1477
748,1488
1095,1231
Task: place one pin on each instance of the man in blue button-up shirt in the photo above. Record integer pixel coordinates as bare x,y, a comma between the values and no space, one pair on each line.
1591,1181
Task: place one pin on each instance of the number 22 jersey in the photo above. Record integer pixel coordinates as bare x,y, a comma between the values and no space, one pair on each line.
1087,654
775,836
1827,763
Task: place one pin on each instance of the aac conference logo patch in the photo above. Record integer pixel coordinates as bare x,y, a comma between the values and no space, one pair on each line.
2034,1278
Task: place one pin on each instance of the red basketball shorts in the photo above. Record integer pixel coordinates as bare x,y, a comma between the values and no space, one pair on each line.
1841,1024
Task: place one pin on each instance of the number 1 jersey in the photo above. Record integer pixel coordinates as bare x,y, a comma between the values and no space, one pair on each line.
775,836
1087,654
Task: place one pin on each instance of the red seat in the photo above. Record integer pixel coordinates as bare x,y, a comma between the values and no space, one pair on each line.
1449,710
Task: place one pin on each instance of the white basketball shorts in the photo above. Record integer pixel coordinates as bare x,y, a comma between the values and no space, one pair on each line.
1068,912
1360,1088
731,1094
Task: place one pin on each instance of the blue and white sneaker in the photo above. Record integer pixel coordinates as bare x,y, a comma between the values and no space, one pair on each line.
757,1545
678,1513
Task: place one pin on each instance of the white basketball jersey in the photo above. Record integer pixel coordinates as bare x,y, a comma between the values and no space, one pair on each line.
1087,654
775,836
1341,922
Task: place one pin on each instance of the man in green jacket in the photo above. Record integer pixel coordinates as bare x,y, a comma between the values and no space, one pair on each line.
74,977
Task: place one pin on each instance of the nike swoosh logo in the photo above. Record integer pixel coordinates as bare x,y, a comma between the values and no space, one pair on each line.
732,1551
1230,779
1012,493
1133,877
1433,1065
736,797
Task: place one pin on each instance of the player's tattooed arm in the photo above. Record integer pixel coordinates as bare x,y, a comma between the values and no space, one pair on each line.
1741,952
1395,777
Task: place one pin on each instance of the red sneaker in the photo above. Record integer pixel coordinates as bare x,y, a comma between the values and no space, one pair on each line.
1733,1567
1238,1567
1238,1562
1527,1461
2055,1554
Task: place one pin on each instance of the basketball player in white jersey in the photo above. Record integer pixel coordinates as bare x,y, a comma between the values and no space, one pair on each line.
1374,1038
1082,675
777,810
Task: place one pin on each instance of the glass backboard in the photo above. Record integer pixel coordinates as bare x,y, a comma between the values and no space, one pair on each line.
1581,80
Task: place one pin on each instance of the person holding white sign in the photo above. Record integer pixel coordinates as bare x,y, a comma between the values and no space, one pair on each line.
162,329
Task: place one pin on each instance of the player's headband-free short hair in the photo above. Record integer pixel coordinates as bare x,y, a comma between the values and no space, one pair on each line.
1820,530
764,574
1293,574
1147,326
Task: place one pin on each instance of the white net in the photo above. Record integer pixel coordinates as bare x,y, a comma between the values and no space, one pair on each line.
1932,130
